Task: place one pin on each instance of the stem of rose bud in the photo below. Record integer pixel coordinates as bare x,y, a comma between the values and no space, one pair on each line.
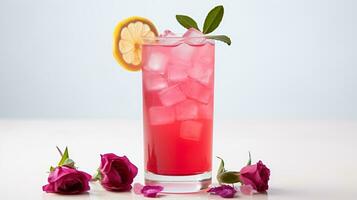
59,150
250,159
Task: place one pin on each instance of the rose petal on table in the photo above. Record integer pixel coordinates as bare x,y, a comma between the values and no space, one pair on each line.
151,190
224,191
137,188
246,189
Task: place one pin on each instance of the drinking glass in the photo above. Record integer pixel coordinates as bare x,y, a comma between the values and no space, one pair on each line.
178,91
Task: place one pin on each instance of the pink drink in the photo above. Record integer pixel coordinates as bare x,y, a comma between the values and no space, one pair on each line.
178,80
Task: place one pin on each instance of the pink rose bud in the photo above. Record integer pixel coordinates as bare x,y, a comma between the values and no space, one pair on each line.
256,176
66,180
117,173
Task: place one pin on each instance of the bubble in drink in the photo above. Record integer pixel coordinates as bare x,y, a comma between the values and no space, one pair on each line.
160,115
191,130
171,95
154,81
156,63
187,109
195,90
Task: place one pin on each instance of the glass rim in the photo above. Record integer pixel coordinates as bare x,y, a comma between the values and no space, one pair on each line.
173,37
176,39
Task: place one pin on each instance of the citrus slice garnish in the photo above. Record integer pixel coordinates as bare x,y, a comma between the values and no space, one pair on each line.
128,40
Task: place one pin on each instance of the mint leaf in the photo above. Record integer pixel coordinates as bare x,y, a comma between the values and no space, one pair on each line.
65,156
250,159
187,21
213,19
228,177
222,38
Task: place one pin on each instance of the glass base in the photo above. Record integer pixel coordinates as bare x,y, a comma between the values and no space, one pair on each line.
179,184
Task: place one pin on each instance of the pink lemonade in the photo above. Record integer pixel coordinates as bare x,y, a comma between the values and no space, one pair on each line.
178,89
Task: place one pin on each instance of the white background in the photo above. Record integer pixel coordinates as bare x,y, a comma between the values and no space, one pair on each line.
290,59
285,90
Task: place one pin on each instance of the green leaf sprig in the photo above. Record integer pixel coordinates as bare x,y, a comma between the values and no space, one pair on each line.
224,176
65,160
187,21
212,21
229,177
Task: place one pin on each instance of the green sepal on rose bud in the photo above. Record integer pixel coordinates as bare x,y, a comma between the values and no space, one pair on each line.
250,159
229,177
224,176
65,160
98,176
221,168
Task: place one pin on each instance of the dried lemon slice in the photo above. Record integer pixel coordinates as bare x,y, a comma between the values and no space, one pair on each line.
128,40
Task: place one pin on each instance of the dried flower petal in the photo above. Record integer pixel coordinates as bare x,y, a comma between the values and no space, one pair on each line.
137,188
246,189
224,191
151,190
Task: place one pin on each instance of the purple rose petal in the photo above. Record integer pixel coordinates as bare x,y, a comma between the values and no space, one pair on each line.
224,191
151,190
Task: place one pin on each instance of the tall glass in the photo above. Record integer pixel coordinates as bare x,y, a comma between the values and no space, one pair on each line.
178,89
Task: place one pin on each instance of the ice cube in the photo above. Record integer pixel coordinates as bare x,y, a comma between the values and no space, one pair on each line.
156,62
205,55
176,73
159,115
180,64
191,130
167,33
195,90
170,39
205,111
194,37
171,95
154,81
182,53
187,109
202,73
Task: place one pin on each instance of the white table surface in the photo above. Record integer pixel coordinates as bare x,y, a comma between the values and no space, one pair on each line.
308,159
